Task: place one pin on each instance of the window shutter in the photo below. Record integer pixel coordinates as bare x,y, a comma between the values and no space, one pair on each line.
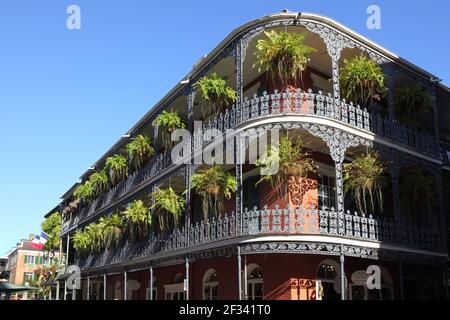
25,259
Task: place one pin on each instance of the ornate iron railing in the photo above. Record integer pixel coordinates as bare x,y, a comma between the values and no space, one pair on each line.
276,221
299,102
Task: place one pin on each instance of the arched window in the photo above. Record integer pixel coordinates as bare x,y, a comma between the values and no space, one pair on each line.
175,291
210,285
325,275
255,282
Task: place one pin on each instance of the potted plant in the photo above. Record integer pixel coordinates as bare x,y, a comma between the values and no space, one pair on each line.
213,185
117,168
138,219
362,81
169,122
365,178
288,159
217,93
112,230
139,151
411,99
416,189
52,227
168,203
283,55
82,242
84,192
95,233
99,182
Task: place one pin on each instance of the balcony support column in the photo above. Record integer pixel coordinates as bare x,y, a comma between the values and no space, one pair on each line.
239,160
342,275
57,290
151,283
88,288
104,286
125,280
186,281
239,272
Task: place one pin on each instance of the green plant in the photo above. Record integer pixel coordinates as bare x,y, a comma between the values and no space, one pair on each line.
112,230
52,227
364,177
281,162
96,235
361,80
283,55
117,168
411,99
99,182
138,219
217,92
167,201
139,151
416,187
82,242
169,122
213,185
85,192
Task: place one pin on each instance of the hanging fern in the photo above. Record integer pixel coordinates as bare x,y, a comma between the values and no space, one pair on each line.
213,185
364,177
168,122
283,55
290,159
168,202
112,230
138,219
82,242
361,80
99,182
139,151
117,168
410,100
85,192
52,227
217,92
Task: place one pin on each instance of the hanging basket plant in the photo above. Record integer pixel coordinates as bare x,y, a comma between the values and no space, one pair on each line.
279,163
284,55
168,122
213,185
415,187
99,182
52,227
117,168
362,81
82,242
365,178
113,227
410,100
96,235
139,151
217,93
84,193
138,219
167,203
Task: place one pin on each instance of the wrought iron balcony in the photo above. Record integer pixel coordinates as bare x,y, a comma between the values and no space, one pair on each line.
299,102
277,221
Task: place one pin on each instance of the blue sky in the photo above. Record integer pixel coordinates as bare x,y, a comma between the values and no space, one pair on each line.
67,96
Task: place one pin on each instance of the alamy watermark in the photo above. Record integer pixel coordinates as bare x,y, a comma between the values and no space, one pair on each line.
73,21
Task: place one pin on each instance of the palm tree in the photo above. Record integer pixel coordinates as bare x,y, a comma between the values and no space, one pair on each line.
138,219
213,185
139,151
364,177
283,55
167,202
117,168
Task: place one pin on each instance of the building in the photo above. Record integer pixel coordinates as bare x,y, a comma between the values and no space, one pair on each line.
24,260
3,265
310,245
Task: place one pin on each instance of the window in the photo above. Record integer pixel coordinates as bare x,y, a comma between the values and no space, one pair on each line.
210,285
255,283
28,276
30,260
175,291
326,274
327,193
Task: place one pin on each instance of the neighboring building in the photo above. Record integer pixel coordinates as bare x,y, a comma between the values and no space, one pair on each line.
24,260
295,248
3,265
